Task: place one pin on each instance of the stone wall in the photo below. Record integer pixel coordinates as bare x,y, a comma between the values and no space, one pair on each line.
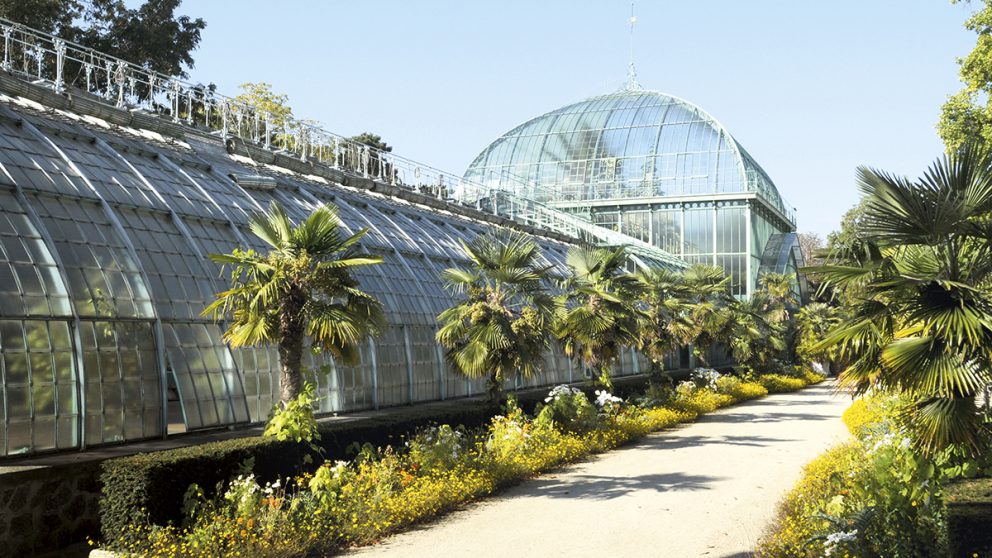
43,509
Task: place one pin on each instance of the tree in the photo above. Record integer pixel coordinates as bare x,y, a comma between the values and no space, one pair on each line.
813,323
920,324
500,326
50,16
811,244
762,326
663,297
851,232
599,317
259,99
709,321
372,140
302,287
372,161
150,35
966,117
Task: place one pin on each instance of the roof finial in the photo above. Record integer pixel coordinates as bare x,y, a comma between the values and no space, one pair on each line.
631,70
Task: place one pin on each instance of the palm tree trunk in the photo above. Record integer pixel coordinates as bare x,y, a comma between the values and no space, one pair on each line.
494,386
657,376
290,356
291,334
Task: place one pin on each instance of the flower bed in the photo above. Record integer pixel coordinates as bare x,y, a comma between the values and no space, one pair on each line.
383,490
872,496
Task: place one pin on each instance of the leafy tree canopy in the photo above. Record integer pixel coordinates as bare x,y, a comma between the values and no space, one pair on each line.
372,140
150,34
260,97
967,115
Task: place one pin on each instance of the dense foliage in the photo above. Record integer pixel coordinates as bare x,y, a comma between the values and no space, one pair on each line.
149,35
966,117
871,497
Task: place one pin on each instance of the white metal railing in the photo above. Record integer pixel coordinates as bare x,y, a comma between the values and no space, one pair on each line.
45,59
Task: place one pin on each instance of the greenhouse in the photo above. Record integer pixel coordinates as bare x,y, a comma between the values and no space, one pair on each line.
653,167
103,274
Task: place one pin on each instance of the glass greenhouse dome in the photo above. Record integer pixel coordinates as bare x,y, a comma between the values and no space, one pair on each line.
656,168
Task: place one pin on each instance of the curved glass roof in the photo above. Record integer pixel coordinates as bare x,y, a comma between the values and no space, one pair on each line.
628,144
104,237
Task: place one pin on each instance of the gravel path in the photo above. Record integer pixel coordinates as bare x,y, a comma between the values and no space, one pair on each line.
707,488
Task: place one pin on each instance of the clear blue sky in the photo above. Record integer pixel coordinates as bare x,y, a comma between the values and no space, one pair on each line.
811,89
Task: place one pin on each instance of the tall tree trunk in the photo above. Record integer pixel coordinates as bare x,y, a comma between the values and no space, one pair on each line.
494,385
291,333
290,356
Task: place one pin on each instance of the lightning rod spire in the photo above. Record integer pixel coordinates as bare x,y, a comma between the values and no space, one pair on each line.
631,70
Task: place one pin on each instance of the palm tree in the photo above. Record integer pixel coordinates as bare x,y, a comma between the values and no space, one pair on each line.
664,299
500,326
813,323
599,316
763,325
302,287
921,320
710,319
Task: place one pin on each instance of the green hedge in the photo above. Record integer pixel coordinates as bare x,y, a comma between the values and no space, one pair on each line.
969,517
148,488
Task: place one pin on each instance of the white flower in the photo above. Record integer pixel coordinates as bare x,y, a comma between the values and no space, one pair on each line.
705,378
559,391
604,397
833,539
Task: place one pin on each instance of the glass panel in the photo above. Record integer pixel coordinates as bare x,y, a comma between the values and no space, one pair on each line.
117,407
184,286
210,387
39,386
29,282
102,280
699,231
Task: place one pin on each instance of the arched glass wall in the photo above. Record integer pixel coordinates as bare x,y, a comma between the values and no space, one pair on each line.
104,234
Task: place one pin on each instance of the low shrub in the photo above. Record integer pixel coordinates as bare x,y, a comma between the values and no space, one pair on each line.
799,518
811,376
778,383
569,409
869,414
141,489
739,389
